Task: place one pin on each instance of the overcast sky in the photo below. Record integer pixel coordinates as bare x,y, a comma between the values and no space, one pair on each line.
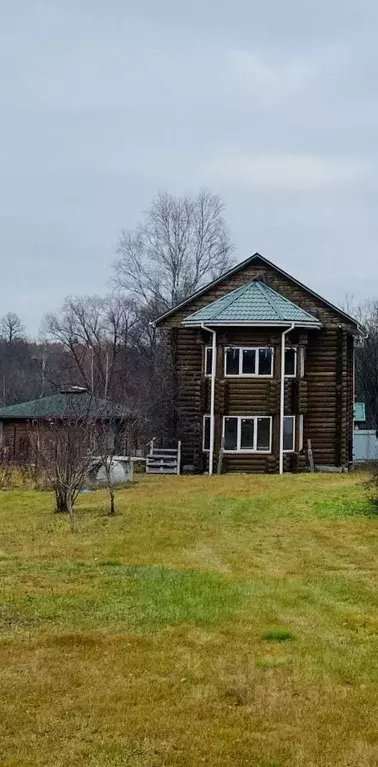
103,102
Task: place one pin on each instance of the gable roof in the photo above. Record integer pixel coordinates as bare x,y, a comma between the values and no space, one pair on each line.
254,302
239,267
62,405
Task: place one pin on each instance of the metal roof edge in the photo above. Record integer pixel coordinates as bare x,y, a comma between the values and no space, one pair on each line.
257,324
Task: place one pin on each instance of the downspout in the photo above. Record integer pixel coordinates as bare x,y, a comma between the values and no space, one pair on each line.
212,395
282,393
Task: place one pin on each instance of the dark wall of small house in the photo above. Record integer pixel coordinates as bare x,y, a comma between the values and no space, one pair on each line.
15,441
17,444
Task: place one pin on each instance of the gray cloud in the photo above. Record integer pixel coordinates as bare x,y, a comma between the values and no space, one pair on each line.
102,104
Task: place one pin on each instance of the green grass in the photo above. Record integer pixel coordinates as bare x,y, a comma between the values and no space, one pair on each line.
161,638
277,635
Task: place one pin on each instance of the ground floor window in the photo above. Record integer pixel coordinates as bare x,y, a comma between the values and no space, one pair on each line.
246,433
253,434
206,433
289,433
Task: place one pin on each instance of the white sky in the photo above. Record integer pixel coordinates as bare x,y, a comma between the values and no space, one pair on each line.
273,105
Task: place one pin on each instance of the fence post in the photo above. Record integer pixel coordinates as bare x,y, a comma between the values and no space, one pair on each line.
179,457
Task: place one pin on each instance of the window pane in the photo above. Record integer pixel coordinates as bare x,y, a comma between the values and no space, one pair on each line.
206,432
209,360
232,362
288,433
249,361
265,362
263,433
230,433
290,355
247,428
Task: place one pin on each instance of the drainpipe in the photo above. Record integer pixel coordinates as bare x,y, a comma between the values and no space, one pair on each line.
212,395
282,392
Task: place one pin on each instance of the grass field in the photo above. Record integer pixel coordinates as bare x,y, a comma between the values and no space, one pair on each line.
214,621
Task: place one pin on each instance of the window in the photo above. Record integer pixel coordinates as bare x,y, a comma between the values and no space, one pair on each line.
290,363
206,433
248,361
289,433
208,360
233,358
231,433
245,433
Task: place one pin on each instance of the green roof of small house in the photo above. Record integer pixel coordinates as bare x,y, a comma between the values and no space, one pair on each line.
67,404
359,411
252,303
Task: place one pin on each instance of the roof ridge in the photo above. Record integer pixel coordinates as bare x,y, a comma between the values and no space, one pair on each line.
264,289
232,295
288,301
227,299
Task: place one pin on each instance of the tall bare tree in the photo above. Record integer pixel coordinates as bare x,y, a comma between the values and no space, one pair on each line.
367,359
11,328
181,244
95,332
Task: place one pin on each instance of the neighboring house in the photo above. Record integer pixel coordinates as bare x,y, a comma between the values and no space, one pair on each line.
18,423
263,365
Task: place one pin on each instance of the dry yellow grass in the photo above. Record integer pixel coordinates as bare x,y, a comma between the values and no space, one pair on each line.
219,621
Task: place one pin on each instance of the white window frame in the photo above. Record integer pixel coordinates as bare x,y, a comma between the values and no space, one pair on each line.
302,358
207,349
205,449
295,350
254,418
292,450
242,349
300,435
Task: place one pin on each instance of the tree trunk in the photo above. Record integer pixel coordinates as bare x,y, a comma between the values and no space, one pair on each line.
112,503
61,506
71,512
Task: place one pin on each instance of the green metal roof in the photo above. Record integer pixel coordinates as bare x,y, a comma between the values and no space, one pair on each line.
255,302
359,411
62,405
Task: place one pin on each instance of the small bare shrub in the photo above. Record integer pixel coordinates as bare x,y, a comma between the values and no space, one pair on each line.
372,482
5,476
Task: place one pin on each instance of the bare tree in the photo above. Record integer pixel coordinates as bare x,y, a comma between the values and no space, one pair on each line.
11,328
95,331
181,244
109,436
64,457
65,446
367,359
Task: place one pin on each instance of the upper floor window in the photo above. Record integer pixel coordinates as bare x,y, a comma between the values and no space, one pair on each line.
248,361
208,360
290,362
